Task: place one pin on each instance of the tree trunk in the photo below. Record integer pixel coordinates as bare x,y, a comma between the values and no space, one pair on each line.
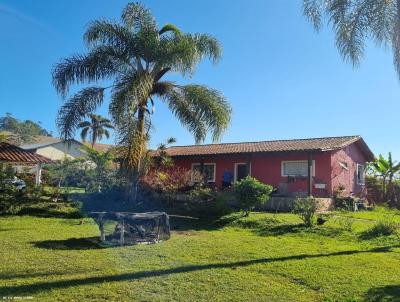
137,168
94,138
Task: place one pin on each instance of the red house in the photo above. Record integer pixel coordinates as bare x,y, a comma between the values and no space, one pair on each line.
294,167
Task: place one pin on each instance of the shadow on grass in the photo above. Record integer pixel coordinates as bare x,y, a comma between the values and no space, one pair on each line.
90,243
385,293
282,229
52,285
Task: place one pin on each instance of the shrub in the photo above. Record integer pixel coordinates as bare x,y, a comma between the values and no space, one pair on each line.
250,192
168,180
382,228
306,208
346,223
9,203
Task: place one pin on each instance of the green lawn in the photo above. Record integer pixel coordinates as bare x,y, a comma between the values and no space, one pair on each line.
266,257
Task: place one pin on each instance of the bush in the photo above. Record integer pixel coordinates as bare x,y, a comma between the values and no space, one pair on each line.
250,192
382,228
346,223
306,208
168,180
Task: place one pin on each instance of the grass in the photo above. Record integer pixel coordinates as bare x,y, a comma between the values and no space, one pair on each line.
263,257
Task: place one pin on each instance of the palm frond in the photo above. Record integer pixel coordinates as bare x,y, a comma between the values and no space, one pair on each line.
200,109
169,28
313,10
76,108
84,124
106,133
79,69
137,17
84,133
129,95
207,46
107,33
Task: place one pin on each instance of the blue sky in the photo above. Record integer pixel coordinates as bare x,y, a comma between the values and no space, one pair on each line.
282,79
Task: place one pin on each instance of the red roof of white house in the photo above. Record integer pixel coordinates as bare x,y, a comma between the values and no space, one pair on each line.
294,145
12,153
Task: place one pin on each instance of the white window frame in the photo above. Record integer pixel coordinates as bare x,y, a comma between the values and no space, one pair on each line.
235,170
199,164
362,182
283,162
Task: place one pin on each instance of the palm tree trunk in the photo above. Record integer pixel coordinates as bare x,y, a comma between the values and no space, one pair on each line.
141,142
94,137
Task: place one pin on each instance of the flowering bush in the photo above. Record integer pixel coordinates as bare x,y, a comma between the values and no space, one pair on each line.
168,180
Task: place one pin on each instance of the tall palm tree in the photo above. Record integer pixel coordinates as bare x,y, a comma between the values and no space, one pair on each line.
97,127
356,21
135,56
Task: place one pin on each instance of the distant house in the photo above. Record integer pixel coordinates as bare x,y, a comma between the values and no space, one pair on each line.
58,149
18,157
314,166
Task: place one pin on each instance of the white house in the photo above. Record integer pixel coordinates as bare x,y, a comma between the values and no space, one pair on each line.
57,149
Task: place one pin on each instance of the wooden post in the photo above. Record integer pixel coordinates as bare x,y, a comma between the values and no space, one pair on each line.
38,174
202,171
248,165
310,174
122,233
102,234
101,227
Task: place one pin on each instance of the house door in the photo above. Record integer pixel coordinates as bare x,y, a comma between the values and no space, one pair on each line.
241,171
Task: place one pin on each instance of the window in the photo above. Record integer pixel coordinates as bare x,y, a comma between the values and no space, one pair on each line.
209,172
360,174
241,171
296,168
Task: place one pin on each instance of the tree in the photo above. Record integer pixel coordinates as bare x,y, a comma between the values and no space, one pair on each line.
102,166
97,127
355,21
20,132
250,192
386,170
135,56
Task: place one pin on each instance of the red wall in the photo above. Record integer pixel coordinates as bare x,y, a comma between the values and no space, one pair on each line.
267,168
348,178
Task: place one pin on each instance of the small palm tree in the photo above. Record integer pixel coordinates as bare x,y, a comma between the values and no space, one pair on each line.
386,170
356,21
135,56
97,127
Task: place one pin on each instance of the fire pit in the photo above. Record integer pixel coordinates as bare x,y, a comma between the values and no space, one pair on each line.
125,228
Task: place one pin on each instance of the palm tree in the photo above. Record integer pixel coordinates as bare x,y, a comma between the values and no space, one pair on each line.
386,170
355,21
97,127
135,55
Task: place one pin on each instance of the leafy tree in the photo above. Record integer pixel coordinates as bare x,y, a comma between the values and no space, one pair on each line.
356,21
97,126
21,132
135,55
386,170
250,192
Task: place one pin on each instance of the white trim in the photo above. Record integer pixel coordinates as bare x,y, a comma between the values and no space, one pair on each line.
363,174
235,170
297,161
215,170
